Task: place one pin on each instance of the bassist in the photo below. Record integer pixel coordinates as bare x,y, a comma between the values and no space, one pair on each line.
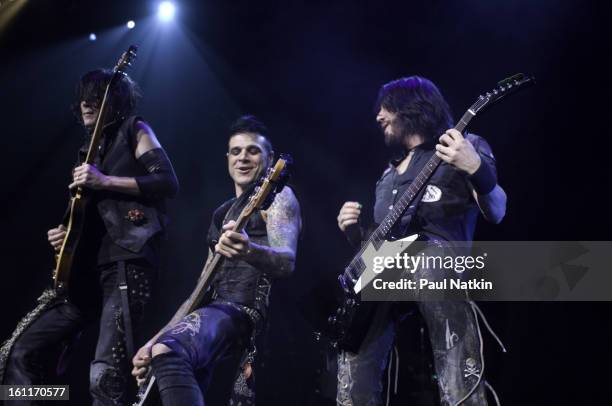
214,338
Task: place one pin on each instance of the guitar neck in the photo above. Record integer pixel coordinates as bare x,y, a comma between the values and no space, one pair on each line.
96,136
380,233
272,184
206,277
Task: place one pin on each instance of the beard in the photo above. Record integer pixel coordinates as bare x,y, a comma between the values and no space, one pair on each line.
394,138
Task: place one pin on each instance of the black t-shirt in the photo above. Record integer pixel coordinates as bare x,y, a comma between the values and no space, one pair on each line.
447,210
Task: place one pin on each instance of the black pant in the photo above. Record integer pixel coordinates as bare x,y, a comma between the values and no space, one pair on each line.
455,338
97,297
208,342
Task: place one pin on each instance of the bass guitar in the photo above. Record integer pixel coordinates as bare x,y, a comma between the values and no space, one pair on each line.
261,198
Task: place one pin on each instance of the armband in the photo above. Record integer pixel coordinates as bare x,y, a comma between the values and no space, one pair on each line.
161,181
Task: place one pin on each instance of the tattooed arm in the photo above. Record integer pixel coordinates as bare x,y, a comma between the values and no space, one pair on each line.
283,227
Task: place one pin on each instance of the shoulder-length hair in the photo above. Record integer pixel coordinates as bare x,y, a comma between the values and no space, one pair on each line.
419,105
124,94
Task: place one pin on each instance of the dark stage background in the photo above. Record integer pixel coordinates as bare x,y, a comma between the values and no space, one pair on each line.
311,71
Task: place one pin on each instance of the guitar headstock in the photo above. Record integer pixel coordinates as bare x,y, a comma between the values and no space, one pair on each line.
269,186
126,59
504,88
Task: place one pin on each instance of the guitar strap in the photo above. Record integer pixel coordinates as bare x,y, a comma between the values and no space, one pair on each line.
128,333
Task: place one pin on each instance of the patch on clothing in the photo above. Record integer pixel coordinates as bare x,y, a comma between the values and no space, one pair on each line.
432,194
190,324
111,384
471,368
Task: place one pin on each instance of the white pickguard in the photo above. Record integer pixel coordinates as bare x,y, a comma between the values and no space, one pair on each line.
366,277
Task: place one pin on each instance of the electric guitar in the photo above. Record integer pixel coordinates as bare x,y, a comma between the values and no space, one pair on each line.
261,198
348,326
78,203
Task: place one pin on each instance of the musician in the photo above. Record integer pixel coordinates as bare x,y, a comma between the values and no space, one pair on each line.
415,121
128,184
185,353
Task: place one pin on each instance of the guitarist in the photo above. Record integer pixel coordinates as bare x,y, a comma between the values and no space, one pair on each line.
412,114
124,222
185,353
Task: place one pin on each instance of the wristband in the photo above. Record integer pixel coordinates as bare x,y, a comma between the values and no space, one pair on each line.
483,179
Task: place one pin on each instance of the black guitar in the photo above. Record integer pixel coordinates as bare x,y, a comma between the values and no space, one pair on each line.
349,325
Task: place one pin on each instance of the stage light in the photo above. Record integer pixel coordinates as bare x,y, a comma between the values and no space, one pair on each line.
130,24
166,10
92,37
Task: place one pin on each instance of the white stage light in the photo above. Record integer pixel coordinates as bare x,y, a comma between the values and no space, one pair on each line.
130,24
166,10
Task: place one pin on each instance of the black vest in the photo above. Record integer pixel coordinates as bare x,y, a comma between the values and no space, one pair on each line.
125,238
238,281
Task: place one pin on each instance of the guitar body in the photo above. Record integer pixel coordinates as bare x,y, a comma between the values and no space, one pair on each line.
354,317
74,231
352,321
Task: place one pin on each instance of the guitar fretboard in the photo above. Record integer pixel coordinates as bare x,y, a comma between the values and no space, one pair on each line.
376,239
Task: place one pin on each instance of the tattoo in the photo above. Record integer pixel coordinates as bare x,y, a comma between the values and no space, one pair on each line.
283,227
181,312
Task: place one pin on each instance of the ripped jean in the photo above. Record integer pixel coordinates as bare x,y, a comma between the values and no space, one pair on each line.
61,324
456,341
211,341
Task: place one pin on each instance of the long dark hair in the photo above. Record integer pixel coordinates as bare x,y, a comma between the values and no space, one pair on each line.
124,95
419,105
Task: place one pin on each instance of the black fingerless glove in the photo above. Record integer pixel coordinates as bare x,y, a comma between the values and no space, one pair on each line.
161,181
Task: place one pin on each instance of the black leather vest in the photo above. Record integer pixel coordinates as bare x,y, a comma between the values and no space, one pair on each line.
239,281
125,238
